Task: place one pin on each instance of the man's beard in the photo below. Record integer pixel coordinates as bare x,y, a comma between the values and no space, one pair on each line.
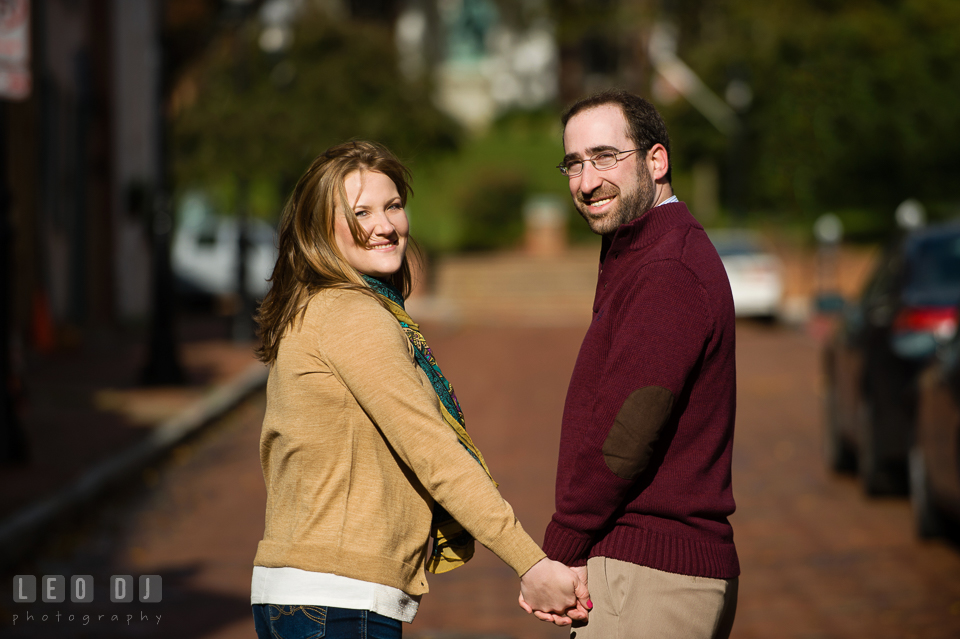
630,207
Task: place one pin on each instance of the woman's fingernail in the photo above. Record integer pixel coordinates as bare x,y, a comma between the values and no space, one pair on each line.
589,605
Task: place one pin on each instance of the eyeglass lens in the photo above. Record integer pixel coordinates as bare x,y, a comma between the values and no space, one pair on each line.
601,161
604,160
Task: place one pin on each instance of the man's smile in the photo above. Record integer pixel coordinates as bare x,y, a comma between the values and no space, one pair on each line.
598,199
599,203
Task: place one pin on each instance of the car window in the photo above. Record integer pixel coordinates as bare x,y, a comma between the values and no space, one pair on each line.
933,275
731,244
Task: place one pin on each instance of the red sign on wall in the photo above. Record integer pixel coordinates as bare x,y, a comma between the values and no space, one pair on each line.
14,49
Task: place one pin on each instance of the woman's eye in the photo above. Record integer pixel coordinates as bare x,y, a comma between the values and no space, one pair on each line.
360,213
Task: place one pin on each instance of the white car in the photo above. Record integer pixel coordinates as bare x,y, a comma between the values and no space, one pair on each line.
204,255
755,272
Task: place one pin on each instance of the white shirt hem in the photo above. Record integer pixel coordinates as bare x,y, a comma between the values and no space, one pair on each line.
295,587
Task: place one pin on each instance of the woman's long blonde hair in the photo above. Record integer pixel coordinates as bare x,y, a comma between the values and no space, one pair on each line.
309,259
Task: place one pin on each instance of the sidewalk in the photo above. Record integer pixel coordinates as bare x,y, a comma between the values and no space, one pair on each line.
89,426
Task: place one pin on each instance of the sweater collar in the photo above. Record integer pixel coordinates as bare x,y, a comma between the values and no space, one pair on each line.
648,227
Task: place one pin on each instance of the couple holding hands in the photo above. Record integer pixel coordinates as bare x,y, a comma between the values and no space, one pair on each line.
364,451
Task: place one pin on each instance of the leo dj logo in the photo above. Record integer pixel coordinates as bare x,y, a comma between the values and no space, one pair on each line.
53,589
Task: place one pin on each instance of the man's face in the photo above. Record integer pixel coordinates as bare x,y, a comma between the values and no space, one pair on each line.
607,199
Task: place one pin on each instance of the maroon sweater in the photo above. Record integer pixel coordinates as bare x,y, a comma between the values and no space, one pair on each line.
647,434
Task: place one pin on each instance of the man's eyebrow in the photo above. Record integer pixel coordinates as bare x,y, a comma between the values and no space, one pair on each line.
595,150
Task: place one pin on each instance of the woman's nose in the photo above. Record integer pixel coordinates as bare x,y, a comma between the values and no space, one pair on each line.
382,225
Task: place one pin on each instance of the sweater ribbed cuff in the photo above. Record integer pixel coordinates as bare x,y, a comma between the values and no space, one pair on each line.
565,545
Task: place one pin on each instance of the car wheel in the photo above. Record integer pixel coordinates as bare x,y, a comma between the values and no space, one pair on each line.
876,479
838,454
927,517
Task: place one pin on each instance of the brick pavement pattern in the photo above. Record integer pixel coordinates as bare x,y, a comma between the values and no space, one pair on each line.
819,560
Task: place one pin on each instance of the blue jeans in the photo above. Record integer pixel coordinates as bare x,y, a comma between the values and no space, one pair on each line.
314,622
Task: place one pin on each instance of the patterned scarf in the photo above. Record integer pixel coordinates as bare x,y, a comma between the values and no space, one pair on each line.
453,546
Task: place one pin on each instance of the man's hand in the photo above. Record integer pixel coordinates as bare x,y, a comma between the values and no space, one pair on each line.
581,573
553,592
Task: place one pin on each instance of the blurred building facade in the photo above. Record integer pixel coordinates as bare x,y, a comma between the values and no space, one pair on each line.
84,160
487,57
82,151
483,58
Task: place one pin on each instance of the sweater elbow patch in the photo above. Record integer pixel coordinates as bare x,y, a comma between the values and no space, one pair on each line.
636,428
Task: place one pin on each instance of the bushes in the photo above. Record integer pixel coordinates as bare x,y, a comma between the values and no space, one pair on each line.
491,208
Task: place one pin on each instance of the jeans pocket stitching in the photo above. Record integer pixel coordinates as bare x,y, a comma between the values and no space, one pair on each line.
319,626
315,613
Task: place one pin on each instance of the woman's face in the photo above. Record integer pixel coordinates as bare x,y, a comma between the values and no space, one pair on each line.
377,207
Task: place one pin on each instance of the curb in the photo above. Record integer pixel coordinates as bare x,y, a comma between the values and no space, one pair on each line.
20,529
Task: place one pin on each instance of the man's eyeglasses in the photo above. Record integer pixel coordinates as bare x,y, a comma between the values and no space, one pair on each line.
601,162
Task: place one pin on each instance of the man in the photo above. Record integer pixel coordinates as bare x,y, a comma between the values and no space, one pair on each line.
643,482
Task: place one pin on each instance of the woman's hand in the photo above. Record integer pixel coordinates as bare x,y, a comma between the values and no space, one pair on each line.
554,592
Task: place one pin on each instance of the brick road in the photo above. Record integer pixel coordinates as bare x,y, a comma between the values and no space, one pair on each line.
819,560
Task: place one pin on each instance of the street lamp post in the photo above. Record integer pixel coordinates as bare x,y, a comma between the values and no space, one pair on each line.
739,96
13,446
163,360
243,329
828,229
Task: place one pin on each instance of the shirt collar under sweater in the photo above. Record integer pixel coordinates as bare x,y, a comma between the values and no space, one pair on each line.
648,227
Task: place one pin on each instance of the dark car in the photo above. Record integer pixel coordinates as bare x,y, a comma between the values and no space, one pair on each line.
883,341
935,457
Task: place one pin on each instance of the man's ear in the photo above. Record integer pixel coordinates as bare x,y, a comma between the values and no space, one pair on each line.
658,162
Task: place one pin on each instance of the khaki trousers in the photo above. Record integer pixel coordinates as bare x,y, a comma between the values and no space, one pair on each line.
631,601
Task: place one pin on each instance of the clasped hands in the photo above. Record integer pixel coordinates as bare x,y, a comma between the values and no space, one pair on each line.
555,592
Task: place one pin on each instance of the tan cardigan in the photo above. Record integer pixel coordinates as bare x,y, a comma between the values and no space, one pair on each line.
354,453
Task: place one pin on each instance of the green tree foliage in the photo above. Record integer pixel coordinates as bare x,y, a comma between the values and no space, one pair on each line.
855,100
254,116
476,202
491,206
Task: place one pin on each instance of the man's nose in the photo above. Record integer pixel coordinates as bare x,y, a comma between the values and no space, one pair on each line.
590,178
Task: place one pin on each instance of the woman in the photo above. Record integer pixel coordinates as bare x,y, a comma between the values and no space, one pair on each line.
363,447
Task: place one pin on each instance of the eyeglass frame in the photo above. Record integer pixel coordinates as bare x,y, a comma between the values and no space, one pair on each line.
564,169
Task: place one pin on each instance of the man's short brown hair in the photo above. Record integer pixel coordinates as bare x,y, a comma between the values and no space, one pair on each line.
645,126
